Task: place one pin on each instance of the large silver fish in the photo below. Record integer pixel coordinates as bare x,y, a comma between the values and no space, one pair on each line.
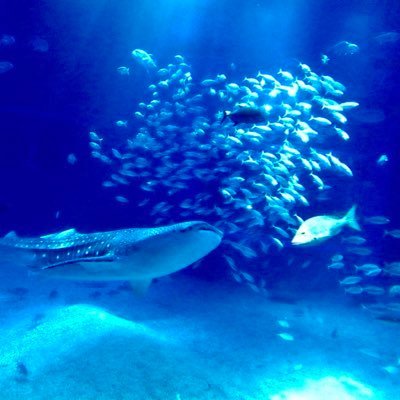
137,255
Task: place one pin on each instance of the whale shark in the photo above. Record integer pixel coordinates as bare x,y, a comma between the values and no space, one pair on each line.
137,255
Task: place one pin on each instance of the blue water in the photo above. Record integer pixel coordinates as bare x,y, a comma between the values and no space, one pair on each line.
199,333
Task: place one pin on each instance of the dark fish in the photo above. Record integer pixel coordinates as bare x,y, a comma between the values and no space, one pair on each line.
245,115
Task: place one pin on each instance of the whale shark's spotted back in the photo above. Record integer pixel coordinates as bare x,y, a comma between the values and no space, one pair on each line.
65,247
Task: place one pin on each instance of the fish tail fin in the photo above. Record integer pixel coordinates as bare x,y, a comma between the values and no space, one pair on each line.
226,114
351,219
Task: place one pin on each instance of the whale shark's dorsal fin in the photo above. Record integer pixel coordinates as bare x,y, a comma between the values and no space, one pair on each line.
60,235
11,235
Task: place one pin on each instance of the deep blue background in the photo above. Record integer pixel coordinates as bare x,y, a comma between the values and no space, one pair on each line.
50,100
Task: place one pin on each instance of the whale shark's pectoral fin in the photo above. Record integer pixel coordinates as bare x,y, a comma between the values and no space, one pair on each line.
140,286
105,258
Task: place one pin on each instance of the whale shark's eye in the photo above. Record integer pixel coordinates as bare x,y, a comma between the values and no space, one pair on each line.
186,229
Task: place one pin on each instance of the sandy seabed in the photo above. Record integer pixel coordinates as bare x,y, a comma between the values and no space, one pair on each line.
190,340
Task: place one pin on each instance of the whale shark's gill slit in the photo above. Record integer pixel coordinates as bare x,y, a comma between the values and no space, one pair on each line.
54,257
107,258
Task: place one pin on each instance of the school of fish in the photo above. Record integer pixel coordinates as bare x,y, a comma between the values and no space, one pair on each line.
248,157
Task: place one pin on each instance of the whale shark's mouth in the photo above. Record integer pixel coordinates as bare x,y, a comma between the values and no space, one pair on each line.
201,226
210,228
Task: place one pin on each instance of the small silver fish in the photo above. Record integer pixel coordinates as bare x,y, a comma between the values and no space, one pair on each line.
369,269
395,233
354,289
382,160
121,199
123,70
286,336
351,280
361,251
336,265
357,240
376,220
374,290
